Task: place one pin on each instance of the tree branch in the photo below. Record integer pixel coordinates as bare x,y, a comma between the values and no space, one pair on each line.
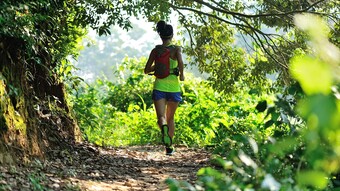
260,15
243,27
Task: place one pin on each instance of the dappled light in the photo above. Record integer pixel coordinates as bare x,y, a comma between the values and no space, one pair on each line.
169,95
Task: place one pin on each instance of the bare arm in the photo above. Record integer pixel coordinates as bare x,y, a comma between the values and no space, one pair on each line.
180,63
149,67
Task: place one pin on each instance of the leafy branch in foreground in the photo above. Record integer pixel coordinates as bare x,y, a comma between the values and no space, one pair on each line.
261,25
307,159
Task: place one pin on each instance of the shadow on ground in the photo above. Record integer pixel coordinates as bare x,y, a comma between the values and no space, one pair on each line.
87,167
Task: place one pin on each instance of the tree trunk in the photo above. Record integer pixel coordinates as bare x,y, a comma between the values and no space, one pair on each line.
34,115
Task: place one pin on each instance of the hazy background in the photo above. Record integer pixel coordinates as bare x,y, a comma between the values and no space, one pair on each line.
102,55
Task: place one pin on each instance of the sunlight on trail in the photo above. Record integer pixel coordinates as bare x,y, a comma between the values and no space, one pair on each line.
152,165
103,186
180,166
88,167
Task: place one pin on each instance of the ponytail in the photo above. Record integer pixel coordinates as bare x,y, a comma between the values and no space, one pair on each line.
164,30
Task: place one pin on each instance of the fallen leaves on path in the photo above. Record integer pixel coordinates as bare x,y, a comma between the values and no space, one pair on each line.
87,167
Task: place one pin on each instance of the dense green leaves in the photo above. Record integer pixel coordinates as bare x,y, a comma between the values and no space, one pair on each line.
122,112
271,144
261,106
210,26
303,159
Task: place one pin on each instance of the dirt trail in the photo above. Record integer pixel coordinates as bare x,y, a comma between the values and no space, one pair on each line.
85,167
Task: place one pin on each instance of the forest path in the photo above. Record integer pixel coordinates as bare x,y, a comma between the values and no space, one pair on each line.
86,167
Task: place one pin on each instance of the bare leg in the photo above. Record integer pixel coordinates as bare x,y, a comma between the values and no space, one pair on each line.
170,116
160,106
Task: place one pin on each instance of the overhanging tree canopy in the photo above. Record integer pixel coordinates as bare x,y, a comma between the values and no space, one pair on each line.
36,36
266,28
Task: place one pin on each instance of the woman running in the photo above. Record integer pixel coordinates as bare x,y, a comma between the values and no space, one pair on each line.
166,93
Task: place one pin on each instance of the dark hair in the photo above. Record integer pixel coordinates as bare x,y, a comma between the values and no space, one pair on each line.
164,30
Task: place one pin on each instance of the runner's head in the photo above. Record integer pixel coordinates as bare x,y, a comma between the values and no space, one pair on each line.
164,30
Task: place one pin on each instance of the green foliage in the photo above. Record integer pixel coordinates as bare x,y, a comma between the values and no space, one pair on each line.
320,109
118,113
47,32
304,158
225,64
259,150
3,185
36,182
132,86
198,115
103,53
122,113
270,41
42,28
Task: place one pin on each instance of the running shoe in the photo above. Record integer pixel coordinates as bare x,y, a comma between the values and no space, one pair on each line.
169,150
166,138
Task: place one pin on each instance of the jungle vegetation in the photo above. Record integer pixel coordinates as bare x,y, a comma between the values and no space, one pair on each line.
277,133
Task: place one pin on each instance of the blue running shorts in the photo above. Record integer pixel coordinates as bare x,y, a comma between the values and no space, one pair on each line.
169,96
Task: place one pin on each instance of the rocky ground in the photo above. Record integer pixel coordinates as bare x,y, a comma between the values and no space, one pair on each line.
87,167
